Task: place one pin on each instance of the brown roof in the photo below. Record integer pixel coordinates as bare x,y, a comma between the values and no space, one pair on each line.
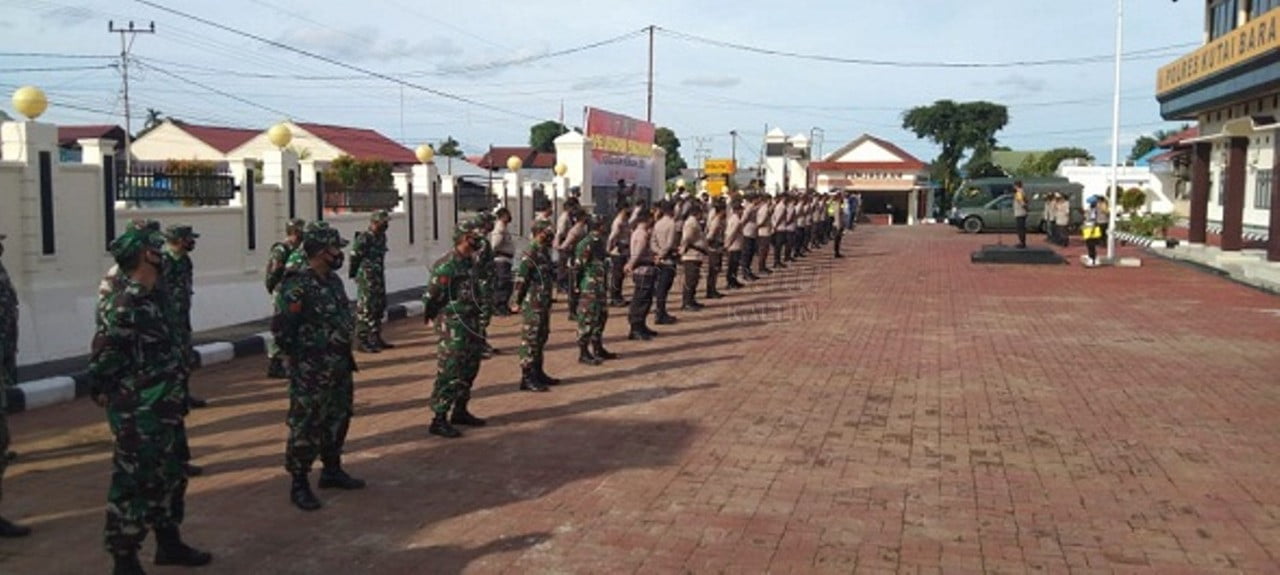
909,162
221,139
362,144
67,135
1175,139
909,166
497,156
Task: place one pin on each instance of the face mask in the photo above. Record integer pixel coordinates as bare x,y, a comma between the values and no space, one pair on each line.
335,261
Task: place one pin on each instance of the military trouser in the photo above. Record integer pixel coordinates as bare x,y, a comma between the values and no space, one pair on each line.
838,236
780,241
148,484
4,447
644,278
371,306
502,287
666,277
763,243
593,313
616,273
748,254
689,291
319,417
735,260
534,331
713,270
457,360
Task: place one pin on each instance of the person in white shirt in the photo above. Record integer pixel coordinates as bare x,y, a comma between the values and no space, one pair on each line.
693,249
733,243
504,252
619,248
715,246
764,232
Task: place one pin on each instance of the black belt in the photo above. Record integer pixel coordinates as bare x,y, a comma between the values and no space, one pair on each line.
641,264
505,255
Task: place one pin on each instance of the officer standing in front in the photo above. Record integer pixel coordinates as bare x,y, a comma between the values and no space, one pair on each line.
452,305
276,263
313,324
593,313
137,373
534,282
368,268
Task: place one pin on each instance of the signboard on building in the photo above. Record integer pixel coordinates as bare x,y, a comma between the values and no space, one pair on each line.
621,147
1256,38
718,166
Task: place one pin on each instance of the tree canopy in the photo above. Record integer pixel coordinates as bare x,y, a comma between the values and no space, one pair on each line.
958,128
667,140
449,148
1145,143
542,136
1046,164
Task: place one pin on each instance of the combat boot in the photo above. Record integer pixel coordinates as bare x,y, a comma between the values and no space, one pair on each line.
598,350
440,426
530,382
276,369
462,416
542,375
170,550
192,470
10,530
382,343
301,495
127,564
639,333
584,355
367,346
335,477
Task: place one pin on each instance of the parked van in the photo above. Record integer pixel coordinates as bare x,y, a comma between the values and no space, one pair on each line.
980,191
997,214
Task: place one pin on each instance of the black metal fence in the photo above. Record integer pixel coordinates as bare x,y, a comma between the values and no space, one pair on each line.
340,198
159,189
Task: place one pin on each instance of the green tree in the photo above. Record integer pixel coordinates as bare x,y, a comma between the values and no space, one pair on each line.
666,139
449,148
1145,143
1046,164
957,128
542,136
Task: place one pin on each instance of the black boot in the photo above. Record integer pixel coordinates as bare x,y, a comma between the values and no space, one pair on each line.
301,495
334,477
192,470
170,550
195,402
440,426
382,343
638,332
127,565
530,382
598,350
10,530
461,416
542,375
367,346
584,354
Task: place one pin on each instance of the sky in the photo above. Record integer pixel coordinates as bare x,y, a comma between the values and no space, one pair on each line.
484,71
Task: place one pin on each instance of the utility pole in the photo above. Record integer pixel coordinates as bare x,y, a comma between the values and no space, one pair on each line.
648,117
125,45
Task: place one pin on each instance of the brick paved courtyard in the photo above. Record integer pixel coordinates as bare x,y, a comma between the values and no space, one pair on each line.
897,411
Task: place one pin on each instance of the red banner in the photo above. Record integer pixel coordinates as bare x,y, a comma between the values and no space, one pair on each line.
622,148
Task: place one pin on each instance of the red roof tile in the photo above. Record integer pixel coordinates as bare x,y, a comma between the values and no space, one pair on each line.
1171,141
67,135
532,158
219,138
362,144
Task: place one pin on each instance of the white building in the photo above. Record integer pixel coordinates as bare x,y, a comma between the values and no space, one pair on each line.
1096,180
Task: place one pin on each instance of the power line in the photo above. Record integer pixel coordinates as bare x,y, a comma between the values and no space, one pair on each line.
54,69
57,55
222,93
915,64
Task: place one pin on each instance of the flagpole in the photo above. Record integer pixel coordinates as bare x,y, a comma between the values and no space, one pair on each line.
1115,139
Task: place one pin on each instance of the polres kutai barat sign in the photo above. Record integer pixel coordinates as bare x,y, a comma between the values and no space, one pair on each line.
622,148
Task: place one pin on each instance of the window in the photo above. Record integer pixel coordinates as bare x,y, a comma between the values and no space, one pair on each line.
1261,7
1222,17
1262,191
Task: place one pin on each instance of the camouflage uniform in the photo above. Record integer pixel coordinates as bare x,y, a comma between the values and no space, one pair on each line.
452,300
8,357
313,325
276,262
175,294
368,268
486,274
592,262
535,278
138,369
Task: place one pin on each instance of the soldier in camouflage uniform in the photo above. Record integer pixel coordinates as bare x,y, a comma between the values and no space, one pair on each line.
592,262
8,376
452,304
177,281
280,252
137,371
313,324
368,268
487,274
535,278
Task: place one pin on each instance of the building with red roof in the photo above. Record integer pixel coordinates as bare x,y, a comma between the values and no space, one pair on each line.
893,183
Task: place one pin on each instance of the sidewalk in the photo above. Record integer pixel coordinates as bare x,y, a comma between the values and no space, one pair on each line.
898,411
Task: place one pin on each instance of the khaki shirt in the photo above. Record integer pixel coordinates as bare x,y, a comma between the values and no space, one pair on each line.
663,238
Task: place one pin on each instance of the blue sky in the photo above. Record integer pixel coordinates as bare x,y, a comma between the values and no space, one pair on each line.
702,91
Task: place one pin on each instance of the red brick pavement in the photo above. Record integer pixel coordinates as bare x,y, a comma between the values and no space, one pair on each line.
901,410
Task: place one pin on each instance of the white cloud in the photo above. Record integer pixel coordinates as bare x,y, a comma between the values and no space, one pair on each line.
363,43
1021,84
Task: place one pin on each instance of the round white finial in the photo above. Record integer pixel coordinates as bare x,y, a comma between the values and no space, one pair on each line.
280,135
30,101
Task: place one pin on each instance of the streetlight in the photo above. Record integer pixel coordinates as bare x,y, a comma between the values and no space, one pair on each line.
1115,139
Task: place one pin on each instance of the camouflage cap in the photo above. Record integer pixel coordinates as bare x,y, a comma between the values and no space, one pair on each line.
145,224
296,225
541,226
379,217
486,217
464,229
180,232
320,233
133,240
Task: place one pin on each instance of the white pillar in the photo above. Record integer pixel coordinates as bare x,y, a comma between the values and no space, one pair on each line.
424,178
448,212
574,151
522,214
276,165
240,168
22,141
511,190
913,200
400,181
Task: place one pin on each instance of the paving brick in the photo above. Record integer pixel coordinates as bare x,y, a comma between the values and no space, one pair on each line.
900,411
